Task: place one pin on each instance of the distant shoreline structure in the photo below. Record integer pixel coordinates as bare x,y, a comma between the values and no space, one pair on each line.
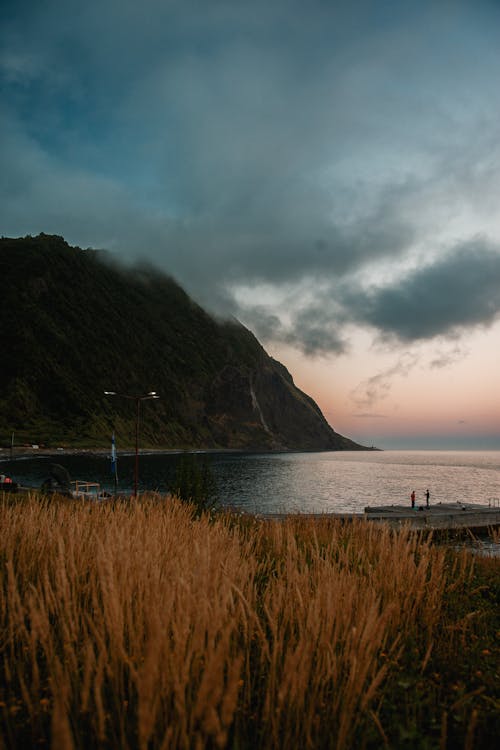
24,452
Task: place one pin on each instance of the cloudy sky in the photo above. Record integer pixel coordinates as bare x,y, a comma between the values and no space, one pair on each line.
328,172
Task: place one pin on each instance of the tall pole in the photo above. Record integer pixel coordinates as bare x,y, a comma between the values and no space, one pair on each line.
137,399
136,468
114,463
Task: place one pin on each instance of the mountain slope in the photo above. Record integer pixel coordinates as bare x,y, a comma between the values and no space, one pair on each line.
73,325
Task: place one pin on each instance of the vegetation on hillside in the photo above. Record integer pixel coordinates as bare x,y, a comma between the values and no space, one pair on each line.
73,324
141,625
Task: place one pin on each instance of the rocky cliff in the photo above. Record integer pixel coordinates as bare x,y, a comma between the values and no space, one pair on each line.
73,325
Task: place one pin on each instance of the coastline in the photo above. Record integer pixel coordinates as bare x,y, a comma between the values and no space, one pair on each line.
5,453
30,452
288,481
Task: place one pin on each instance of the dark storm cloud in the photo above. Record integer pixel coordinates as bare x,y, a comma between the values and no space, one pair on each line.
235,113
440,300
315,340
314,331
459,291
265,325
272,142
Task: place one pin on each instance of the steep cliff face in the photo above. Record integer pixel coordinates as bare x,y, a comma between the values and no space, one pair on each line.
262,407
74,326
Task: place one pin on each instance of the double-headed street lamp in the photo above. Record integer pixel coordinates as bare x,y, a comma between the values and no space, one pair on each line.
146,397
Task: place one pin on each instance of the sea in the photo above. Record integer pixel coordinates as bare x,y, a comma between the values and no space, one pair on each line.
268,483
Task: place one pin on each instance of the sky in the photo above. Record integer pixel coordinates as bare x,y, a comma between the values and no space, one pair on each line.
327,172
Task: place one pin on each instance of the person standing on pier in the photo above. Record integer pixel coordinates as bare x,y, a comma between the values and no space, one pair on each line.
427,496
412,497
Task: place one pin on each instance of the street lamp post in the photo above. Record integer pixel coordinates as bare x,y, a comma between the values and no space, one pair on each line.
146,397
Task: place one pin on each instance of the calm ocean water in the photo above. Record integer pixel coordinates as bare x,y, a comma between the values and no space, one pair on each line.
298,482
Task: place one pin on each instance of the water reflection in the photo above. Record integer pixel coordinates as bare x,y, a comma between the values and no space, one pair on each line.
297,482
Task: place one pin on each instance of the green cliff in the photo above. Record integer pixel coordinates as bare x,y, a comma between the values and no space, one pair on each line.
74,324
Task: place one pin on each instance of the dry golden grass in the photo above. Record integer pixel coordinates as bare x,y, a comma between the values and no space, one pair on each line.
138,625
494,534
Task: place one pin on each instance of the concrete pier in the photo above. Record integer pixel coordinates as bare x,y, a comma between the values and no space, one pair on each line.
439,516
443,516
